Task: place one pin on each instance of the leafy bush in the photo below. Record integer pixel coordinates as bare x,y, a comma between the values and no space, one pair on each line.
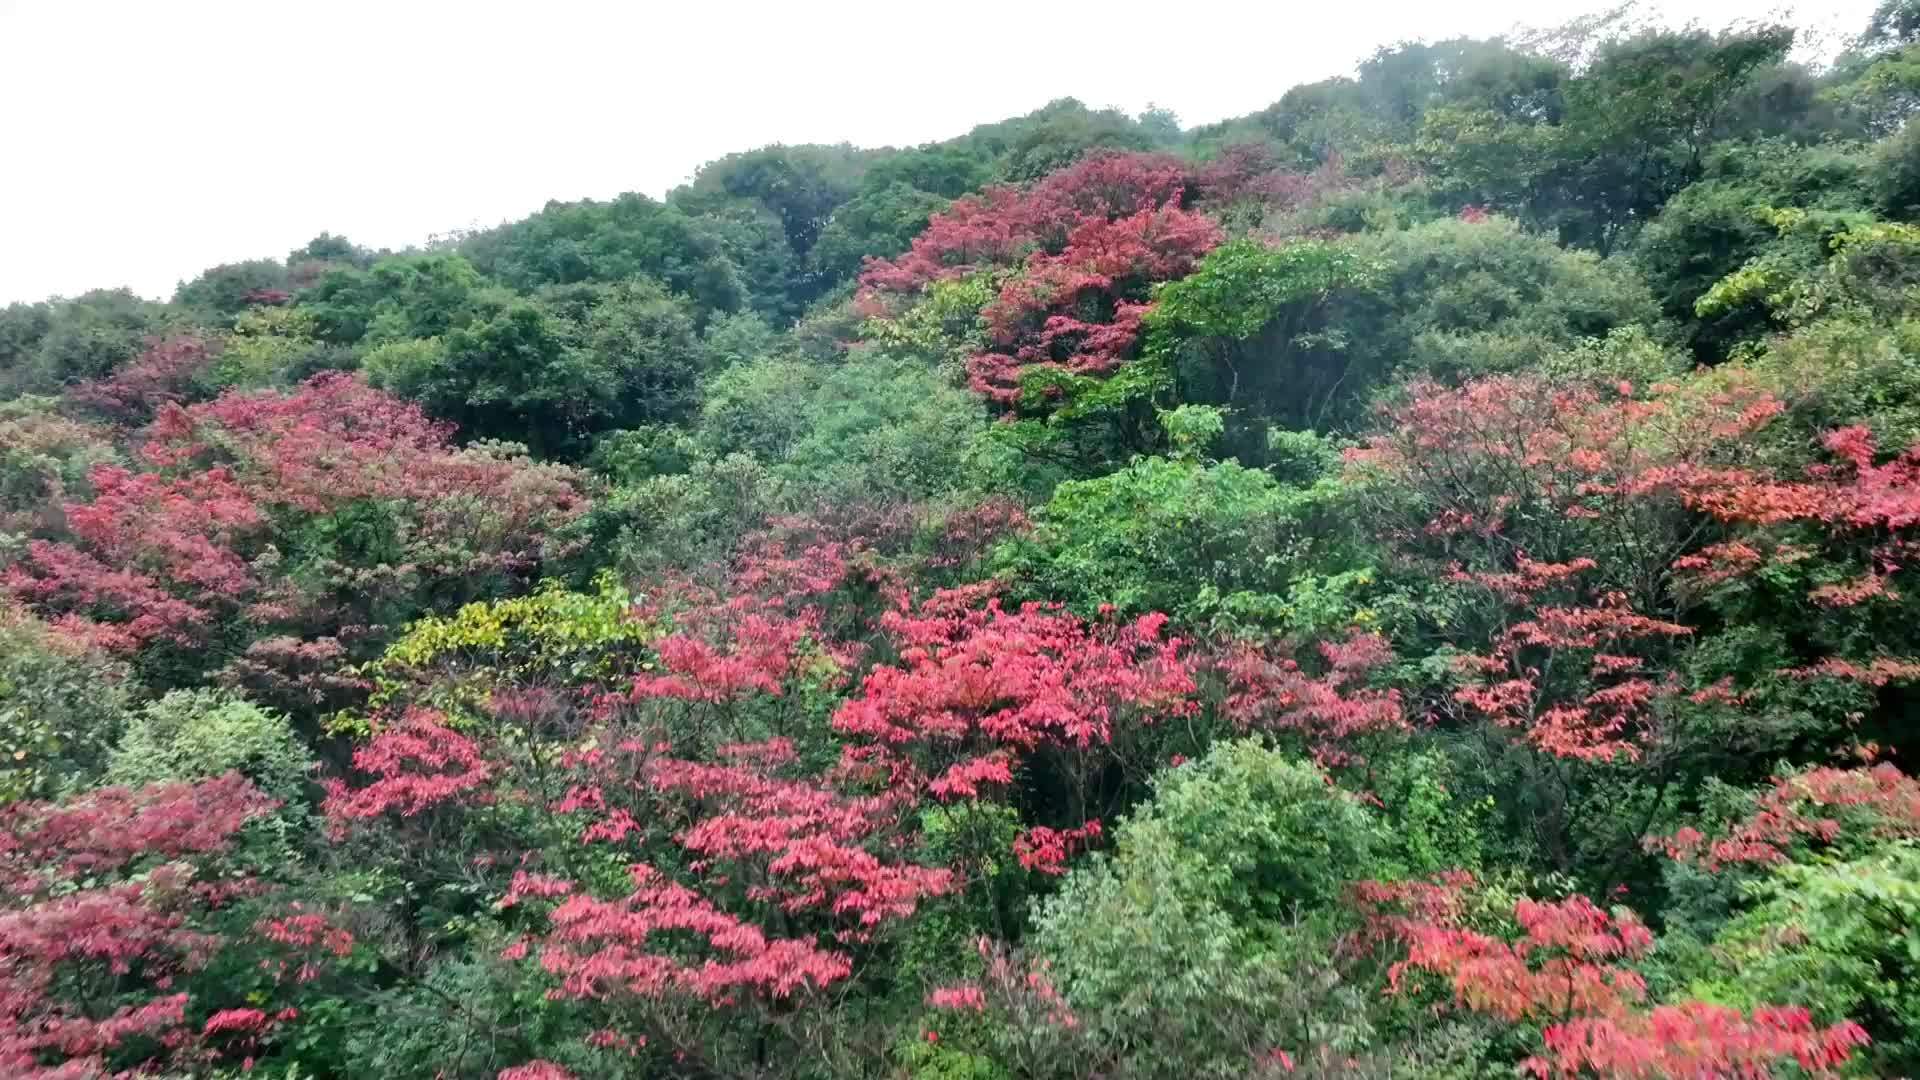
203,734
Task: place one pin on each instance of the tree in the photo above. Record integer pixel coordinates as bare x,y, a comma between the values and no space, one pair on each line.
335,478
399,297
196,735
61,704
1198,541
104,923
1639,121
86,337
226,290
1248,853
604,242
1248,329
1458,298
877,224
1567,974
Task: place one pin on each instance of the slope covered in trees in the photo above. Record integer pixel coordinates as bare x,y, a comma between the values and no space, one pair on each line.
1416,581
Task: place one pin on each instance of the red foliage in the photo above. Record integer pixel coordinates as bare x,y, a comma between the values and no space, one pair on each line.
1575,652
535,1070
979,690
1566,973
1611,710
973,675
1697,1039
169,554
1854,498
1515,447
1332,710
1819,805
162,375
603,947
1021,992
970,532
290,674
311,937
726,652
151,557
336,440
105,830
753,825
417,763
1046,850
1002,225
1089,239
69,946
1081,311
804,840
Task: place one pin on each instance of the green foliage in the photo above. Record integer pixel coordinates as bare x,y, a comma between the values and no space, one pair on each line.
554,373
680,520
630,236
801,185
1242,286
943,170
45,459
1842,370
1843,938
554,637
1207,930
1178,536
201,734
227,290
273,346
1248,328
1894,175
1460,298
45,347
942,328
886,431
1639,121
876,224
1823,261
1426,828
1191,429
61,706
1056,135
749,407
401,297
1706,232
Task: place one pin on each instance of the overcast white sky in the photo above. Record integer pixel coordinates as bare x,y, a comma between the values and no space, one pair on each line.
145,141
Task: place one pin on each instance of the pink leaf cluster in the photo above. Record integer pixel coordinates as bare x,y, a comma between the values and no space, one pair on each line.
163,374
1082,310
417,763
1046,850
1002,225
1567,972
807,842
1331,710
598,948
1815,806
69,946
168,553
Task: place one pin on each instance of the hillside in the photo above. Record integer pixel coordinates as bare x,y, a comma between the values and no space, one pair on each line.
1412,582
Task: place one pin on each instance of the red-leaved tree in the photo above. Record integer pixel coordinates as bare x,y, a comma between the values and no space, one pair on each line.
1085,244
320,513
104,913
1566,972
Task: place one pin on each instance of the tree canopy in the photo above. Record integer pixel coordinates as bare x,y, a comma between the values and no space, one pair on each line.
1413,581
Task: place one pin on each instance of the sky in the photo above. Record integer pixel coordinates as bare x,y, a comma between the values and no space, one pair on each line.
147,141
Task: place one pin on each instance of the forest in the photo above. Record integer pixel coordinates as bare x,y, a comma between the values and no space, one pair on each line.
1410,582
